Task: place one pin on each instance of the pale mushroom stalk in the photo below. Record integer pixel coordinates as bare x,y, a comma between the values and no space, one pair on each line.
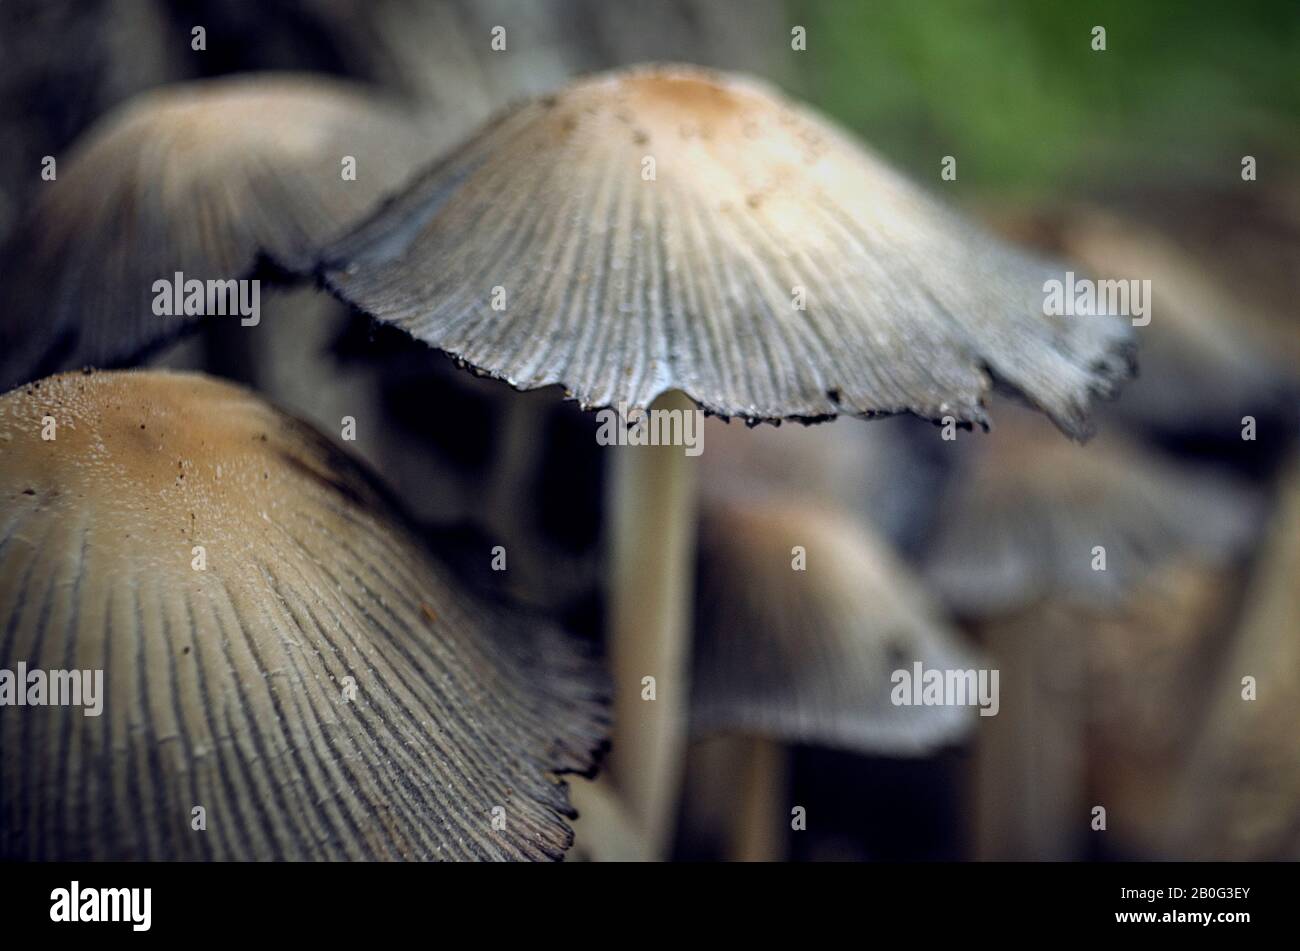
604,830
1030,772
757,832
1238,795
652,565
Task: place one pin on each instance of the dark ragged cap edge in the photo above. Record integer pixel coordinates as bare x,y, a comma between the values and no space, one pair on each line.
580,749
1117,364
566,658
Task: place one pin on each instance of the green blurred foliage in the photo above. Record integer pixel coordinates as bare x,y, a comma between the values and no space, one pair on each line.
1014,90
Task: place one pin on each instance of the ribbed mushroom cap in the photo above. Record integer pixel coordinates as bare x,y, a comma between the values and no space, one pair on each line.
621,288
807,656
1024,517
200,178
228,688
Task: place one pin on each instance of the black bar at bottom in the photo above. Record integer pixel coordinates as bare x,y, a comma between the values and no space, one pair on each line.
332,902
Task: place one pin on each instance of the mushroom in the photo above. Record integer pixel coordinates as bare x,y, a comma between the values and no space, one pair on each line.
1238,797
804,652
665,234
1246,239
908,306
1021,524
286,674
1148,665
800,645
603,831
201,179
1214,350
886,475
1096,581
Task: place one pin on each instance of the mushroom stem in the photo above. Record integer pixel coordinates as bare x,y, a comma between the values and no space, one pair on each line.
603,831
757,833
1030,783
652,563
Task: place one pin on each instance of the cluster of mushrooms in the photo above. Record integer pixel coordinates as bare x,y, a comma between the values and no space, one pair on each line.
288,650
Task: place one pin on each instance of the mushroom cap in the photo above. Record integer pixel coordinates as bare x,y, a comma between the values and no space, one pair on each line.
807,656
1246,240
203,178
621,288
1025,514
227,688
1212,351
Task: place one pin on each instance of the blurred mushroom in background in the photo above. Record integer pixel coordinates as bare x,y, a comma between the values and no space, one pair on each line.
840,473
452,62
286,673
1238,797
802,618
1243,235
886,475
1223,345
1101,581
192,187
